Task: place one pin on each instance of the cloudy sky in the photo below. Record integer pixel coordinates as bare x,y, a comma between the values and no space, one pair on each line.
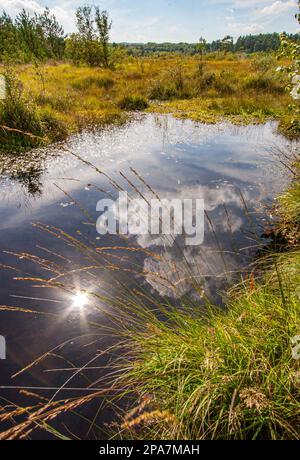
175,20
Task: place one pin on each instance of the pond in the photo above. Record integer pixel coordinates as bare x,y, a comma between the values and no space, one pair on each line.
48,231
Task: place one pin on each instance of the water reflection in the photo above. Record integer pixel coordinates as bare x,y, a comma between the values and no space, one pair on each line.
232,168
31,180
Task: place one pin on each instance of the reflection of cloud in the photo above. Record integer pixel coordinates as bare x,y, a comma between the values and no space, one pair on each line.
213,263
199,161
213,198
139,212
210,264
195,272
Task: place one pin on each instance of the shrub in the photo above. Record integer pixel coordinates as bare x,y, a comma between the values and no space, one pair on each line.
133,103
263,83
21,116
263,62
54,128
100,82
162,92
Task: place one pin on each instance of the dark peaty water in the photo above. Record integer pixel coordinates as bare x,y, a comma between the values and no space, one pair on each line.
225,165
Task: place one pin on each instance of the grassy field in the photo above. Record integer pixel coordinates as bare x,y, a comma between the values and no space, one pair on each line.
60,99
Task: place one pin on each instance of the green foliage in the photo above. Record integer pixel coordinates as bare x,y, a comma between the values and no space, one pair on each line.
22,127
91,44
133,103
31,38
52,33
18,114
264,62
215,374
100,82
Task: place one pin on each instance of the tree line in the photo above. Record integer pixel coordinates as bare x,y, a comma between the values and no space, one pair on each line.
246,43
30,37
40,37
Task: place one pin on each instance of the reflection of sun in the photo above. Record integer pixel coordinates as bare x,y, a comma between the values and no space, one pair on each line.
80,300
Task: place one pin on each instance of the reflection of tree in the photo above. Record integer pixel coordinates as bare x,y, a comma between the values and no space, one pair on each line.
30,179
26,169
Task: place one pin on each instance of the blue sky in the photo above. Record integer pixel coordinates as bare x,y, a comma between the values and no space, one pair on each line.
176,20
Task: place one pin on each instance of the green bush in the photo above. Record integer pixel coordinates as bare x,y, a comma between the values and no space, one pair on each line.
162,92
54,128
263,83
21,117
133,103
100,82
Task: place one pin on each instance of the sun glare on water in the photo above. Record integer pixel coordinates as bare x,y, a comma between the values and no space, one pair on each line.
80,301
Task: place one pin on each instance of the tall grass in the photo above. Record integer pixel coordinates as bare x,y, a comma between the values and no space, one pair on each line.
22,125
223,374
17,116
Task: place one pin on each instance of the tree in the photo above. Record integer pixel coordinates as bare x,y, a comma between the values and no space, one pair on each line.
31,35
104,26
31,38
227,44
93,29
85,22
53,33
202,46
9,43
86,34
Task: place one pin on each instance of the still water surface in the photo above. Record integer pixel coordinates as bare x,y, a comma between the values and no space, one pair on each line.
236,171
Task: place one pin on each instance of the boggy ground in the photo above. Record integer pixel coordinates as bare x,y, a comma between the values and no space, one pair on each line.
52,101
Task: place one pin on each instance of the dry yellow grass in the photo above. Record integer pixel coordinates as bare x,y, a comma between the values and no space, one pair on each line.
242,90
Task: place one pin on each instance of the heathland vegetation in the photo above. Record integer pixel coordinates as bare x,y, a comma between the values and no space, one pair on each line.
200,373
58,84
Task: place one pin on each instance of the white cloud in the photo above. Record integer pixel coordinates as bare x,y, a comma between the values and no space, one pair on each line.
14,6
278,7
241,28
63,10
262,15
